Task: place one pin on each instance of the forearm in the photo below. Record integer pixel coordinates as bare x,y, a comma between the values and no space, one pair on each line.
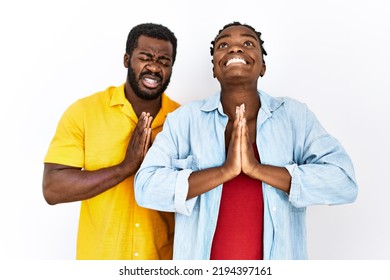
64,184
204,180
275,176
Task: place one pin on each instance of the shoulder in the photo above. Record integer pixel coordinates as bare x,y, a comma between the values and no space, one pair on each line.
294,105
94,97
287,108
89,103
101,96
299,114
283,103
189,109
168,103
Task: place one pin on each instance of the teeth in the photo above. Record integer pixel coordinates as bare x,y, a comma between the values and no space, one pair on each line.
235,60
150,81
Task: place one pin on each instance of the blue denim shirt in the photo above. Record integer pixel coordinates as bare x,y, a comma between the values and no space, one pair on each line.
288,134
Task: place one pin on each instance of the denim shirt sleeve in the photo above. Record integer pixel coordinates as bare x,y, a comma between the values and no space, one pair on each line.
322,171
161,183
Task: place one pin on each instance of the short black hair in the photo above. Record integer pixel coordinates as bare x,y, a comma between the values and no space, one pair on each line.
236,23
152,30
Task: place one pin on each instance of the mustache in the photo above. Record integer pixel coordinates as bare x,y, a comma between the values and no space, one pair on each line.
150,74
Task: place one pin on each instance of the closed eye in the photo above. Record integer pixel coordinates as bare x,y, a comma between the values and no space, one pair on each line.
145,57
165,61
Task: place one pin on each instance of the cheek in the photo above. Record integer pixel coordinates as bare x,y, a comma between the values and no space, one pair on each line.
167,73
136,66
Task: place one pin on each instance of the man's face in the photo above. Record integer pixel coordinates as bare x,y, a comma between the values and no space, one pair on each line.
237,55
149,67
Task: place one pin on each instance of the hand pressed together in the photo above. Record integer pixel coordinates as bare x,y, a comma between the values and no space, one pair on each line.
240,156
139,143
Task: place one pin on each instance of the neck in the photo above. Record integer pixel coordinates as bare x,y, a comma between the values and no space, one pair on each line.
232,98
142,105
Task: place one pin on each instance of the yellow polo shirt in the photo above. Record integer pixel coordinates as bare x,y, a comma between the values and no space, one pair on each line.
93,133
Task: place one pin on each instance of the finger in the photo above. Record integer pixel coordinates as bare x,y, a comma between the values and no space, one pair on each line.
236,131
242,111
148,133
233,158
237,116
144,121
245,140
138,138
141,123
148,136
149,121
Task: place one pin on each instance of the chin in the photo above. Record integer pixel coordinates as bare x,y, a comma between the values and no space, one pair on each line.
148,95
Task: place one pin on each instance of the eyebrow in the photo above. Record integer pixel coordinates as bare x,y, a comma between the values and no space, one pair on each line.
242,34
151,56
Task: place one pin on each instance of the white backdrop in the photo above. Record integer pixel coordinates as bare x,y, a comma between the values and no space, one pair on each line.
332,55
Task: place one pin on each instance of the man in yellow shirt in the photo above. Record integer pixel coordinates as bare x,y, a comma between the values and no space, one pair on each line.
100,143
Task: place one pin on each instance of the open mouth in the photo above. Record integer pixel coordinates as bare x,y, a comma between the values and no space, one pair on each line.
235,60
151,81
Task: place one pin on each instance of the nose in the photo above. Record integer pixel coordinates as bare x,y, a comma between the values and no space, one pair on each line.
235,48
153,67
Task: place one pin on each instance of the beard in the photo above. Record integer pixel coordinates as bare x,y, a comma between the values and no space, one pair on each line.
145,94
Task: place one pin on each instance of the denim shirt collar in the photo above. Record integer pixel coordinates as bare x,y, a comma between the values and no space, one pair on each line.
268,103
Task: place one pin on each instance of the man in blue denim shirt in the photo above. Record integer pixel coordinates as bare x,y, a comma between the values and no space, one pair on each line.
206,144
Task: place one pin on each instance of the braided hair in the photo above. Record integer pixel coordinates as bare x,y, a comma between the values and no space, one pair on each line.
236,23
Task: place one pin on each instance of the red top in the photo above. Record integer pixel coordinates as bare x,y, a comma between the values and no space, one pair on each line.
239,232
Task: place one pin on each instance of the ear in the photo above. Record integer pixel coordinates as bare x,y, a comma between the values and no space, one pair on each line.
214,73
212,62
262,71
126,59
